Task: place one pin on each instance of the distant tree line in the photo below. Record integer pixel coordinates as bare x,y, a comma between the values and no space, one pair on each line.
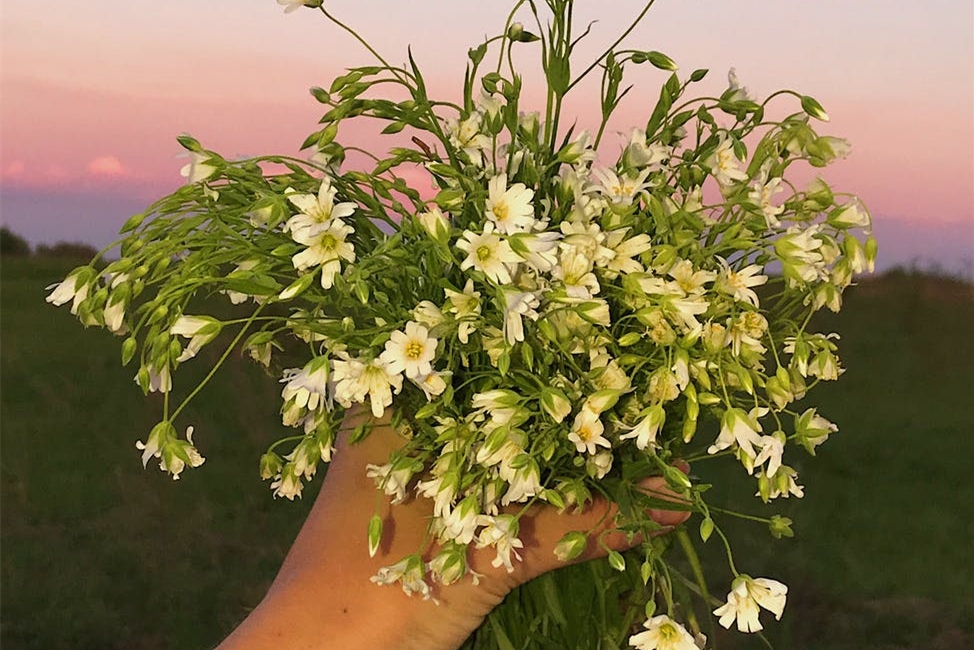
13,245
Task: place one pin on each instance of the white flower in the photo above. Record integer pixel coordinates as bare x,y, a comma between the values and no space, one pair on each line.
517,304
435,223
537,249
199,329
782,484
466,135
356,381
326,246
73,288
408,572
689,280
160,379
747,595
432,384
440,490
465,306
850,215
174,454
293,5
621,190
598,466
624,250
725,165
391,481
501,533
287,484
740,428
410,352
645,432
428,314
114,315
587,432
460,523
307,387
510,209
761,193
489,254
738,283
574,270
642,154
772,449
316,210
663,633
197,170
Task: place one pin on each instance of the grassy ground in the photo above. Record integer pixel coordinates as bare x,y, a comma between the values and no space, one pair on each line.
99,553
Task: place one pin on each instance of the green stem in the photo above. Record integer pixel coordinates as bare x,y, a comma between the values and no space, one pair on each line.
218,364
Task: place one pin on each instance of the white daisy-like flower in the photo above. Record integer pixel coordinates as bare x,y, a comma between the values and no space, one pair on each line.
196,170
663,633
621,190
501,533
460,523
509,208
73,289
307,387
392,482
690,280
725,165
745,599
410,352
326,248
316,210
489,254
199,329
518,305
761,194
624,250
643,154
574,271
646,430
738,283
740,428
467,136
587,432
465,306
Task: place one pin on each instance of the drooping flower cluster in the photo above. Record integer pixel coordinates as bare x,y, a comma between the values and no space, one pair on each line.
541,325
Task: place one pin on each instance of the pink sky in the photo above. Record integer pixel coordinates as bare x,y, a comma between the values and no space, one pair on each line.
94,93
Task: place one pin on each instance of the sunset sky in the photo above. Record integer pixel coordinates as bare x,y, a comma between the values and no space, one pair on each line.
95,92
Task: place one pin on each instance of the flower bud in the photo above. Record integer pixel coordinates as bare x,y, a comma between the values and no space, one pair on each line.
780,527
811,106
555,403
571,546
270,465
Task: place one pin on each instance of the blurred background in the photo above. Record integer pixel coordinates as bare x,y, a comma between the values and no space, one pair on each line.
98,553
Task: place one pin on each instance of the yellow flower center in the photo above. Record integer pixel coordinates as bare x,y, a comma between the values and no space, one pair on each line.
483,253
586,433
328,242
414,349
501,211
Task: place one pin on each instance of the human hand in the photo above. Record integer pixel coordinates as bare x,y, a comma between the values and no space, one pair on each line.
323,596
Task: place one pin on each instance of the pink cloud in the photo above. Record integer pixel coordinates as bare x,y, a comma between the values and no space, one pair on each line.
15,168
106,166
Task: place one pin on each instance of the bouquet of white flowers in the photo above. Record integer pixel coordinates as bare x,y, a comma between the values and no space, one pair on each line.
540,325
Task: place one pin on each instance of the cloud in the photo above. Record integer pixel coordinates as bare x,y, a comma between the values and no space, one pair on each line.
15,168
106,166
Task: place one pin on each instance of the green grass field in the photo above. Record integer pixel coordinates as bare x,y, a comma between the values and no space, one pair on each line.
98,553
